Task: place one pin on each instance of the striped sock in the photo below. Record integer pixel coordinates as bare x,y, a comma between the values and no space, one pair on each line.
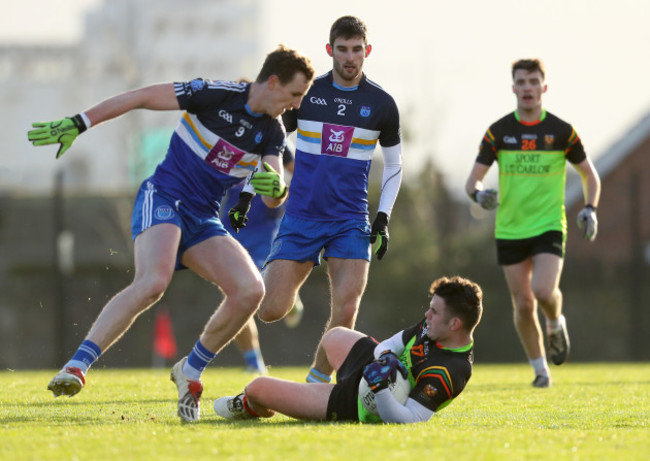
316,376
197,361
86,355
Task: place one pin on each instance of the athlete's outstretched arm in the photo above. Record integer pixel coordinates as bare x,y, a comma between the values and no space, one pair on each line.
154,97
65,131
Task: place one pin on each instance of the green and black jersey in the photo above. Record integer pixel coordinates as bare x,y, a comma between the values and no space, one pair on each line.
532,172
437,374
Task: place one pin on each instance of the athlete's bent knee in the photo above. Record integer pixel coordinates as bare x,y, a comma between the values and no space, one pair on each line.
272,311
545,296
248,295
268,316
333,335
525,308
151,289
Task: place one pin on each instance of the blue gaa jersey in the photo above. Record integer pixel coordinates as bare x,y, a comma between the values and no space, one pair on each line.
337,132
218,142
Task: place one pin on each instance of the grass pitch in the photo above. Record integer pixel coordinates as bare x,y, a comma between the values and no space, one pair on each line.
593,411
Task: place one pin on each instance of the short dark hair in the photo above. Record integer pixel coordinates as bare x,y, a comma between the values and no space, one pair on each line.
347,27
463,298
285,63
529,65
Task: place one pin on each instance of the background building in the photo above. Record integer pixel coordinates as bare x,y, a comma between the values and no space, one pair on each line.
125,45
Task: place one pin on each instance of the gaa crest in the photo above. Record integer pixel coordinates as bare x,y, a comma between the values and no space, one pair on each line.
548,141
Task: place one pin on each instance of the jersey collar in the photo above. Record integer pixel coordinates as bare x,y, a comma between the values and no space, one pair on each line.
250,112
541,118
456,349
346,88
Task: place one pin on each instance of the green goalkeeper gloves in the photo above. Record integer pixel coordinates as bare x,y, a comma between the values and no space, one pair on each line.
269,183
63,131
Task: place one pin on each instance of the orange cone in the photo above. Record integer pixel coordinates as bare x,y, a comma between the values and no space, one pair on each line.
164,343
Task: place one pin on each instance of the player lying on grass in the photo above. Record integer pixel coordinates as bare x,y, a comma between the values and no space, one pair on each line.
436,354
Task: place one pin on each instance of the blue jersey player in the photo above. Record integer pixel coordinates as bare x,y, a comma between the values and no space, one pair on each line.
224,130
343,118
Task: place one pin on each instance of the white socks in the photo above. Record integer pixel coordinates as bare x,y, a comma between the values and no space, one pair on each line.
540,366
554,325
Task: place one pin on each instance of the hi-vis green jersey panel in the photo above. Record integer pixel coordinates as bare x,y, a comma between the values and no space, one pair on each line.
536,203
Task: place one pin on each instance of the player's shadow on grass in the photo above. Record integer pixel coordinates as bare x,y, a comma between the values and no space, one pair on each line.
266,423
72,402
500,388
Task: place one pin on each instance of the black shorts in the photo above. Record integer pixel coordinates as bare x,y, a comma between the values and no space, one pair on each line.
342,404
515,251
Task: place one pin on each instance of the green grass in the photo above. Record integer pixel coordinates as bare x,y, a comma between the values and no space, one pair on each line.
593,411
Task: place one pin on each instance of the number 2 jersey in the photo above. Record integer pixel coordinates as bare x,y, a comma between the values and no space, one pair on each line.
218,141
337,132
532,172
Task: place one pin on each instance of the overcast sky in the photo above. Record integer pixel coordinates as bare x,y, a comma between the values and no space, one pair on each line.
447,62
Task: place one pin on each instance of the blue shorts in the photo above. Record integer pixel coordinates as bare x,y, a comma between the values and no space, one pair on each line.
152,207
302,240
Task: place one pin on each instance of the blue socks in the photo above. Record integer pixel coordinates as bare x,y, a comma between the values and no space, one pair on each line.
253,359
197,361
86,355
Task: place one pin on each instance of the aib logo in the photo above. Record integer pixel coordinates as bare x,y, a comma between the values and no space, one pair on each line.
337,136
223,156
336,140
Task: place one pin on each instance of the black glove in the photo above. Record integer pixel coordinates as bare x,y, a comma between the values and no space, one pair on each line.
379,233
237,214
